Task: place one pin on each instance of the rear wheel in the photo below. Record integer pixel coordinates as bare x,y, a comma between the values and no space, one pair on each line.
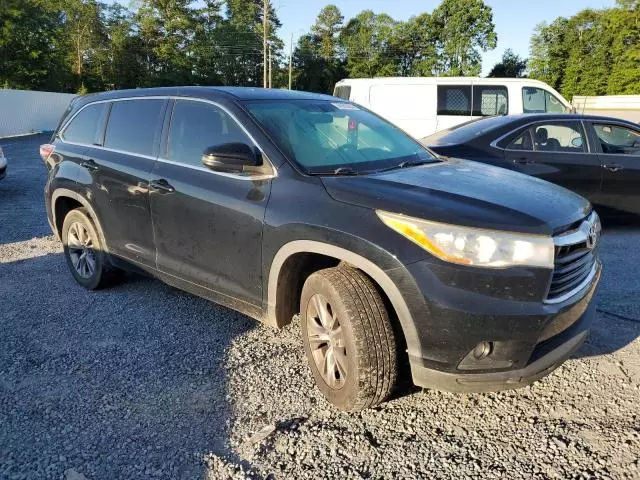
348,338
88,262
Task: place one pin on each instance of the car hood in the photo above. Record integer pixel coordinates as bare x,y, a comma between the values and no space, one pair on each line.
465,193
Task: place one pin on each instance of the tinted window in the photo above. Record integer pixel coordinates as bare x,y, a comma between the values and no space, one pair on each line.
84,127
490,100
523,142
195,126
134,126
323,136
559,137
537,100
618,140
454,100
342,91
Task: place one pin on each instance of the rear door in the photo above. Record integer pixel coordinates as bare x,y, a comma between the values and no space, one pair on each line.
454,105
490,100
208,224
619,152
117,173
557,151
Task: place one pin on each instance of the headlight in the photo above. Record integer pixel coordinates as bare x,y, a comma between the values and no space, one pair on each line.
473,246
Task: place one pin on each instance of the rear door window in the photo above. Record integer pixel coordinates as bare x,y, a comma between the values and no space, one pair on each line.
559,137
134,126
489,100
86,127
537,100
195,126
454,100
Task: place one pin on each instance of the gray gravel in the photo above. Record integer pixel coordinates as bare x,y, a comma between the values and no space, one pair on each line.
144,381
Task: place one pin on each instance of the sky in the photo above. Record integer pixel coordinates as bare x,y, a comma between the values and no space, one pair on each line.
515,20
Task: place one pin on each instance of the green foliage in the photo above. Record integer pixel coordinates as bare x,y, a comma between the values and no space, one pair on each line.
511,66
595,52
465,29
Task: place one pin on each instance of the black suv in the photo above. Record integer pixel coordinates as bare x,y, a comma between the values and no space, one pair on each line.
275,203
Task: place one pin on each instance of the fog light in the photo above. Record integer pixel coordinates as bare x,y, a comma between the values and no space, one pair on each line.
482,350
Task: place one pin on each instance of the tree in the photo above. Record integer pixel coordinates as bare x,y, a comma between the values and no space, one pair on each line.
415,45
549,52
511,66
624,77
465,29
327,28
366,40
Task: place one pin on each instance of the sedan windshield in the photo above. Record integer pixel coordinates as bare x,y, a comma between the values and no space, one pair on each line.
326,137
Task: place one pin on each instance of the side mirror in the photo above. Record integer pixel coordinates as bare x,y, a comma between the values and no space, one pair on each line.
577,142
231,157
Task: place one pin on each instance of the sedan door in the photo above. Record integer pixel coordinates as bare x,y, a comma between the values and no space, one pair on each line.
619,152
557,151
208,224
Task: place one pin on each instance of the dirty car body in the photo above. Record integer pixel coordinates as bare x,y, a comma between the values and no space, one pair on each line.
487,276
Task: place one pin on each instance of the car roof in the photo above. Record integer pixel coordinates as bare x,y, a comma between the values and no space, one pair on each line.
237,93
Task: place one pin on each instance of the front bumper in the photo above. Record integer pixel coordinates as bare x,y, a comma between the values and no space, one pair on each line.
528,339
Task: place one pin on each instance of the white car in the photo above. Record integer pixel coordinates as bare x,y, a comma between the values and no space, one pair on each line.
3,165
422,106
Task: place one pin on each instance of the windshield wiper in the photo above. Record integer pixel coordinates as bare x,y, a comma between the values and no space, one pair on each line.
406,164
340,171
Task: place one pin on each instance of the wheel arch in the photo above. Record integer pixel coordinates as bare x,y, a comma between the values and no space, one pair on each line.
383,281
62,194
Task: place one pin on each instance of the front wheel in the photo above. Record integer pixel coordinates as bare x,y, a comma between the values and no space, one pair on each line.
348,338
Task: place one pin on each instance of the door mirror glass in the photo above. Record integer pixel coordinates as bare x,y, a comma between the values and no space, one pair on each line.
577,142
230,157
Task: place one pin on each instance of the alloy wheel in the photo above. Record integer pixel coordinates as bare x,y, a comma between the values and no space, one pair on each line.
81,252
327,342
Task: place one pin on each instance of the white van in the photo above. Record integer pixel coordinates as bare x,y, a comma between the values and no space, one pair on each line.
424,105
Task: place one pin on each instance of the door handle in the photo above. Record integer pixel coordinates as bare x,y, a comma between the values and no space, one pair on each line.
613,167
162,186
523,161
90,165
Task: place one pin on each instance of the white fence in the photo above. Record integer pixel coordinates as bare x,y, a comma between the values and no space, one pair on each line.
621,106
23,111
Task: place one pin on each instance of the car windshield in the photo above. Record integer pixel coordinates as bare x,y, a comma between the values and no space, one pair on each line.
466,131
336,137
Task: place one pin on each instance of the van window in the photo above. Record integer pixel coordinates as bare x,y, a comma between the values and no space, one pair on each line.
86,125
454,100
342,91
489,100
195,126
134,126
537,100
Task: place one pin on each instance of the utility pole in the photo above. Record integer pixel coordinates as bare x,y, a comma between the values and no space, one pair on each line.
270,69
290,60
265,23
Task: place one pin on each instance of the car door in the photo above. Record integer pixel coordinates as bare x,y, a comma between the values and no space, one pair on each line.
208,224
619,152
559,152
117,173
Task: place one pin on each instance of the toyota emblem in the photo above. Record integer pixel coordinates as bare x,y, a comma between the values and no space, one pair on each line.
594,236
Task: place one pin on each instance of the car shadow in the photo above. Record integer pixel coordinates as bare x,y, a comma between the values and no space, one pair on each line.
125,382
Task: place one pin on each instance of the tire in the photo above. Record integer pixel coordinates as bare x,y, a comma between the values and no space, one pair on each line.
82,247
360,350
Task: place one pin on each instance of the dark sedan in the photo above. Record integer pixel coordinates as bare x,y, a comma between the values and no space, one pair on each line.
597,157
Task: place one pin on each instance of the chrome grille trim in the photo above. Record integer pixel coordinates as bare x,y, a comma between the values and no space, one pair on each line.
575,264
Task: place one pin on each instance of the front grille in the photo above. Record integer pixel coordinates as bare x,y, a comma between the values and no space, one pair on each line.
574,259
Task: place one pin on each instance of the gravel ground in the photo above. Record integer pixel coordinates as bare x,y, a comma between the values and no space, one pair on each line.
144,381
